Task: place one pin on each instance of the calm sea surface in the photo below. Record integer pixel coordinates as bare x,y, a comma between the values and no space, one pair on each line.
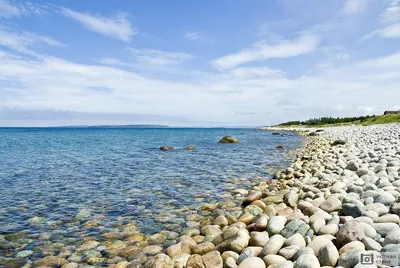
52,181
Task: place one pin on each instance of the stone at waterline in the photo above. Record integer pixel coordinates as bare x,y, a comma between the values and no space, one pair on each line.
203,248
212,259
228,139
161,260
166,148
279,147
190,147
313,134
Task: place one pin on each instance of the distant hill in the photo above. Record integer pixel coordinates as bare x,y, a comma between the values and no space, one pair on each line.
330,121
118,126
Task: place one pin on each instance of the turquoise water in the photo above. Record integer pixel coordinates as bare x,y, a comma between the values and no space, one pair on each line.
52,181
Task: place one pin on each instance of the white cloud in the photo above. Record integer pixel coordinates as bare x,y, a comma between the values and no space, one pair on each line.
261,51
8,10
118,27
241,96
192,36
391,31
390,16
392,13
243,72
365,109
237,95
110,61
158,57
354,6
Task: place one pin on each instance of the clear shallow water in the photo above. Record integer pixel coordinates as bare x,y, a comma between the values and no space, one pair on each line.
52,180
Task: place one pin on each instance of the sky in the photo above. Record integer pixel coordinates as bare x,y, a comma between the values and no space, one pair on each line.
196,63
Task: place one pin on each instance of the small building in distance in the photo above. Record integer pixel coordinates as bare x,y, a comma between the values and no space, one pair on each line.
391,112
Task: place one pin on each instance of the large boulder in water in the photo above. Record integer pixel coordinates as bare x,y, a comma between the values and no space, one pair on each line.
166,148
228,139
190,147
339,142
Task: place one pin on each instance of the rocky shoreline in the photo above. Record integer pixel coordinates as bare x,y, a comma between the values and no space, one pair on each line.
340,198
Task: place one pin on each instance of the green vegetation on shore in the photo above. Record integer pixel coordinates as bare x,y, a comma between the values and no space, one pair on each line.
362,120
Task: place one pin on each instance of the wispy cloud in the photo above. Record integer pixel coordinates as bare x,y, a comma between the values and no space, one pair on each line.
392,13
269,29
158,57
390,17
8,10
110,61
248,72
23,41
192,36
391,31
261,51
118,27
354,6
197,36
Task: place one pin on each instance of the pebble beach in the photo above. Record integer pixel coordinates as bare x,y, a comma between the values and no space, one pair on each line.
339,199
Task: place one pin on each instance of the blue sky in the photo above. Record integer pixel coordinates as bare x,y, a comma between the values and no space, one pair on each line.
196,63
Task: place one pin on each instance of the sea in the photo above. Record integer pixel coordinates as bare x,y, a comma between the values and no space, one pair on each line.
53,181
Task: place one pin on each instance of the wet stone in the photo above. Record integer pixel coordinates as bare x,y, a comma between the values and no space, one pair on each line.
179,249
12,262
212,259
203,248
51,261
152,250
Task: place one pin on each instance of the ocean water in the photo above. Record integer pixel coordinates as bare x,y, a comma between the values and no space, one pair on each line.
54,180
